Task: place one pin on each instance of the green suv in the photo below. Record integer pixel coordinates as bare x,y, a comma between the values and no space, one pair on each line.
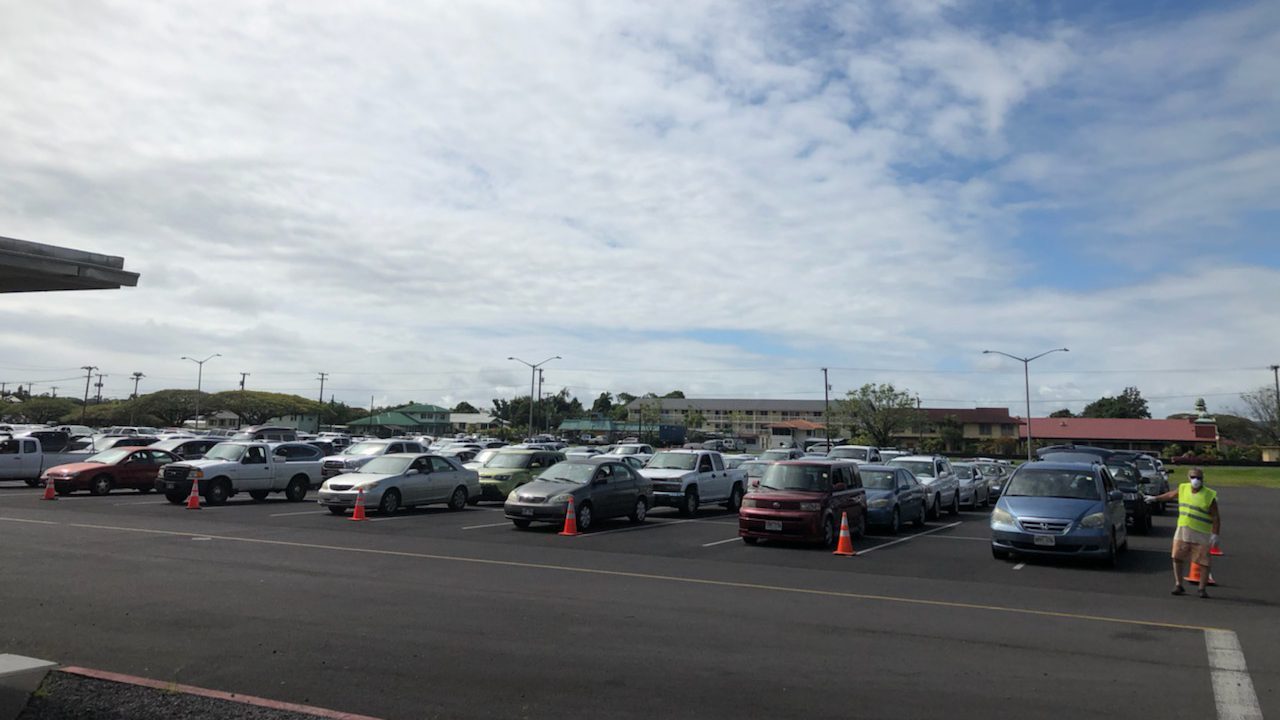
509,469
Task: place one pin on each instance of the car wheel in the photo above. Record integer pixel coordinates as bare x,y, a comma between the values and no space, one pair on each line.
585,518
100,485
828,531
175,498
860,529
62,491
640,512
999,554
936,511
259,494
895,522
690,504
473,500
735,499
32,482
334,510
217,492
144,489
458,499
955,504
390,501
919,521
296,490
750,540
986,499
521,524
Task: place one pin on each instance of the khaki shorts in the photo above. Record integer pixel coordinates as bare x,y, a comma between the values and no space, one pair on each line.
1193,552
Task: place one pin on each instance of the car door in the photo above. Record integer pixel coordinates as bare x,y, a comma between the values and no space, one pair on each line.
133,471
910,495
415,488
946,479
443,479
604,491
255,472
11,464
1115,507
708,480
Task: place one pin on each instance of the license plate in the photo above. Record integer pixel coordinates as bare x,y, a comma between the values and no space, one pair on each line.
773,525
526,511
1045,540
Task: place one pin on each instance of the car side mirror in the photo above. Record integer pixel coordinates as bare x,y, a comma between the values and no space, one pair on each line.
600,481
840,487
412,471
1116,495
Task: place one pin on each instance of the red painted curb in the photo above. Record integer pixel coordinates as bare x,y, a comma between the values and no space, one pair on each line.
215,694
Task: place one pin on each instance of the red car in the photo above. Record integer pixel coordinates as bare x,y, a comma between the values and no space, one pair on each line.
122,467
803,500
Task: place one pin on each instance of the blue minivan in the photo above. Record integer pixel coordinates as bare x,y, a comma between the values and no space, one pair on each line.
1058,509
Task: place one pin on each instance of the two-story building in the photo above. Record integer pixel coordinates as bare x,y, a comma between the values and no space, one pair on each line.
417,419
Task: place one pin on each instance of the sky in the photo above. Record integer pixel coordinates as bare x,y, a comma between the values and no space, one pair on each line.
716,197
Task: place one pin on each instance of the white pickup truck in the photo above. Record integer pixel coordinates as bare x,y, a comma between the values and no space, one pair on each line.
22,458
257,468
685,479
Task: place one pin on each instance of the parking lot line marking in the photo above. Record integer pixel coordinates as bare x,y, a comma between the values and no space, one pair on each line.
647,525
722,542
290,514
37,522
958,537
1232,687
489,525
1019,566
891,543
813,592
140,502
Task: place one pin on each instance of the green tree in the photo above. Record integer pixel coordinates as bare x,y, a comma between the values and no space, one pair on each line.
465,407
1261,407
675,395
694,420
42,409
951,432
603,404
1063,413
621,407
1129,404
255,407
172,407
879,412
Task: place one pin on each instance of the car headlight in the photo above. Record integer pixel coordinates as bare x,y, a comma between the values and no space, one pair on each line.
1095,520
881,503
197,473
499,478
562,498
810,507
750,502
368,488
1001,517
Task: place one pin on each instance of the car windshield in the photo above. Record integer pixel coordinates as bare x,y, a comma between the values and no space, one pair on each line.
964,471
110,457
1038,482
365,448
673,461
755,469
483,456
225,451
1145,463
776,455
386,466
814,478
919,468
1123,473
624,450
879,479
512,461
570,472
849,453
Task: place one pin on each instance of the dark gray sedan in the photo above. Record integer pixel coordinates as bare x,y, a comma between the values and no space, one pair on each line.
602,487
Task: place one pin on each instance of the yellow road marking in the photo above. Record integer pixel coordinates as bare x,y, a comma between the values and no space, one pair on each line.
649,576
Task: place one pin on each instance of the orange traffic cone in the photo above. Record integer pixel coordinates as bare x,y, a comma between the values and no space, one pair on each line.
193,500
570,520
358,513
1216,550
1194,576
48,490
845,546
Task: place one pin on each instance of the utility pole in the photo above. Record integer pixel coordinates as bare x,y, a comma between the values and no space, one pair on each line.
544,414
98,385
243,375
88,376
1275,372
826,407
320,410
54,388
137,377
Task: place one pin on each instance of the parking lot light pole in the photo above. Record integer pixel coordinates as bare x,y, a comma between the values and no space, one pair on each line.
533,378
1026,381
200,380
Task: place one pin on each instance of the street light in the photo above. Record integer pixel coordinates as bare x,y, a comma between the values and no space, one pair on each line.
1026,380
533,376
200,380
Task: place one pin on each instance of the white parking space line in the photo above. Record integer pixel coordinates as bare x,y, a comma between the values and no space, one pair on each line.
300,512
909,537
1232,687
722,542
1019,566
647,525
141,502
959,537
488,525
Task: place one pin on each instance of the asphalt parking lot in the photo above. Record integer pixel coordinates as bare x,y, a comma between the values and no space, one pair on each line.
432,613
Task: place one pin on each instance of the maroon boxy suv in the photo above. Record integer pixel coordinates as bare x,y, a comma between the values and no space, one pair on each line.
803,500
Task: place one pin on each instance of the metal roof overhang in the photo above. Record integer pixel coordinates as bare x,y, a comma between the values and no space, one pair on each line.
35,267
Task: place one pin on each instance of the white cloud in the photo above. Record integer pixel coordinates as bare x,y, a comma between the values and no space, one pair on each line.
404,195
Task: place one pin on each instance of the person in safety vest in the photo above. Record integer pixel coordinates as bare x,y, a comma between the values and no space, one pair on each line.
1198,526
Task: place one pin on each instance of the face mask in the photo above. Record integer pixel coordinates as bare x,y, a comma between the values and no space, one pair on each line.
1196,483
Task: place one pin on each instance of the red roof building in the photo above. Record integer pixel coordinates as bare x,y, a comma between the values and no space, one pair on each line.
1122,433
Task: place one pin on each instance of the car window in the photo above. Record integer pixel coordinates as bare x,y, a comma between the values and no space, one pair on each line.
1107,485
422,465
704,463
717,462
9,447
439,464
256,455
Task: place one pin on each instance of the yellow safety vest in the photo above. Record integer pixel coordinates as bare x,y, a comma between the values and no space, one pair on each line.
1193,508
